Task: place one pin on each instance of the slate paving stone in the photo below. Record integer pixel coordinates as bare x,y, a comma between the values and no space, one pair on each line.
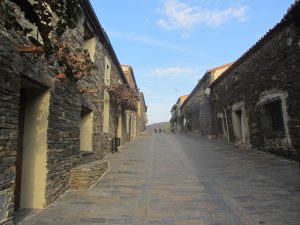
184,180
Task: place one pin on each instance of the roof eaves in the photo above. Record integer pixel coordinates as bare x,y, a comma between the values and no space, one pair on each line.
220,67
292,12
194,90
98,29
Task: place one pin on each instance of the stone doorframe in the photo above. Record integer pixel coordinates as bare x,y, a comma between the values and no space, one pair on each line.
34,152
240,125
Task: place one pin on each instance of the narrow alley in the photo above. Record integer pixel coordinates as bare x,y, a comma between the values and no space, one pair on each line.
178,180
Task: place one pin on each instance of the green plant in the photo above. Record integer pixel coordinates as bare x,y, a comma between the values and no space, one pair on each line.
73,63
42,13
52,19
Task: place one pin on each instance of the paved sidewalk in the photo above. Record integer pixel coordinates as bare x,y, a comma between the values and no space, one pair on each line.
177,180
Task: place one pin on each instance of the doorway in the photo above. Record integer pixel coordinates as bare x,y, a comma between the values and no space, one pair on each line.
21,119
240,125
120,122
31,170
221,128
237,118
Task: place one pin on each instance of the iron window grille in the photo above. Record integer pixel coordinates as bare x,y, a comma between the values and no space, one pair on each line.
272,119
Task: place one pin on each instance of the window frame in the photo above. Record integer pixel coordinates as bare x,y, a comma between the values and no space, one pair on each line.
267,120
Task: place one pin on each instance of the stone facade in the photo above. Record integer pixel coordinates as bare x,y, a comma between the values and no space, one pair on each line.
196,110
264,83
255,103
177,121
138,119
142,119
24,83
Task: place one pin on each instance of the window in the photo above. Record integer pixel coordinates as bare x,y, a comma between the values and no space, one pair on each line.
272,119
86,130
89,42
106,108
107,72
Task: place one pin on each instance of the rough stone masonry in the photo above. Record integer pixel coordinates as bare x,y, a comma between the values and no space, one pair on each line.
26,84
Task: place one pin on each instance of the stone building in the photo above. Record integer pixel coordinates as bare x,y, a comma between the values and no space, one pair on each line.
255,102
142,118
47,126
136,120
177,120
196,109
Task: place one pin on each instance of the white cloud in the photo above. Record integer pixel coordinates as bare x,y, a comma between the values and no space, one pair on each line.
184,17
174,71
154,42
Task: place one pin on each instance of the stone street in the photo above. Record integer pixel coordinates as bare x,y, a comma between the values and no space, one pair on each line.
181,180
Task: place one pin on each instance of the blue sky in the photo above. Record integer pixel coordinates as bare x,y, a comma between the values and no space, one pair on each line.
171,43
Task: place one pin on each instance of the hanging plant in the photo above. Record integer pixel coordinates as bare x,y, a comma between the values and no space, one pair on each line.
41,13
124,96
75,64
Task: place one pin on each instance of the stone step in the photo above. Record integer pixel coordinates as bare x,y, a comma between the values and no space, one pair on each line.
84,176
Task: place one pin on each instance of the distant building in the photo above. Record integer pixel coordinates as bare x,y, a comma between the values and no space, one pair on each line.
137,120
142,119
196,110
176,122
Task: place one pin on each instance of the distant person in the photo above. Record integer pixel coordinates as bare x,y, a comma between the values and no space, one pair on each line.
155,130
159,130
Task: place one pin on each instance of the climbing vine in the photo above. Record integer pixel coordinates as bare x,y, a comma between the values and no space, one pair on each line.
52,19
124,96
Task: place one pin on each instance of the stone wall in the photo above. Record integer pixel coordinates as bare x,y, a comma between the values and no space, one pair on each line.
66,103
266,72
9,106
197,109
268,69
84,176
142,115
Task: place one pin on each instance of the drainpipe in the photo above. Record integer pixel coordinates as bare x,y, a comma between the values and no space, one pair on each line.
226,124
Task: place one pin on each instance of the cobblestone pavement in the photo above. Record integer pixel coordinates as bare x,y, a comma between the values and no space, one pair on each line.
178,180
